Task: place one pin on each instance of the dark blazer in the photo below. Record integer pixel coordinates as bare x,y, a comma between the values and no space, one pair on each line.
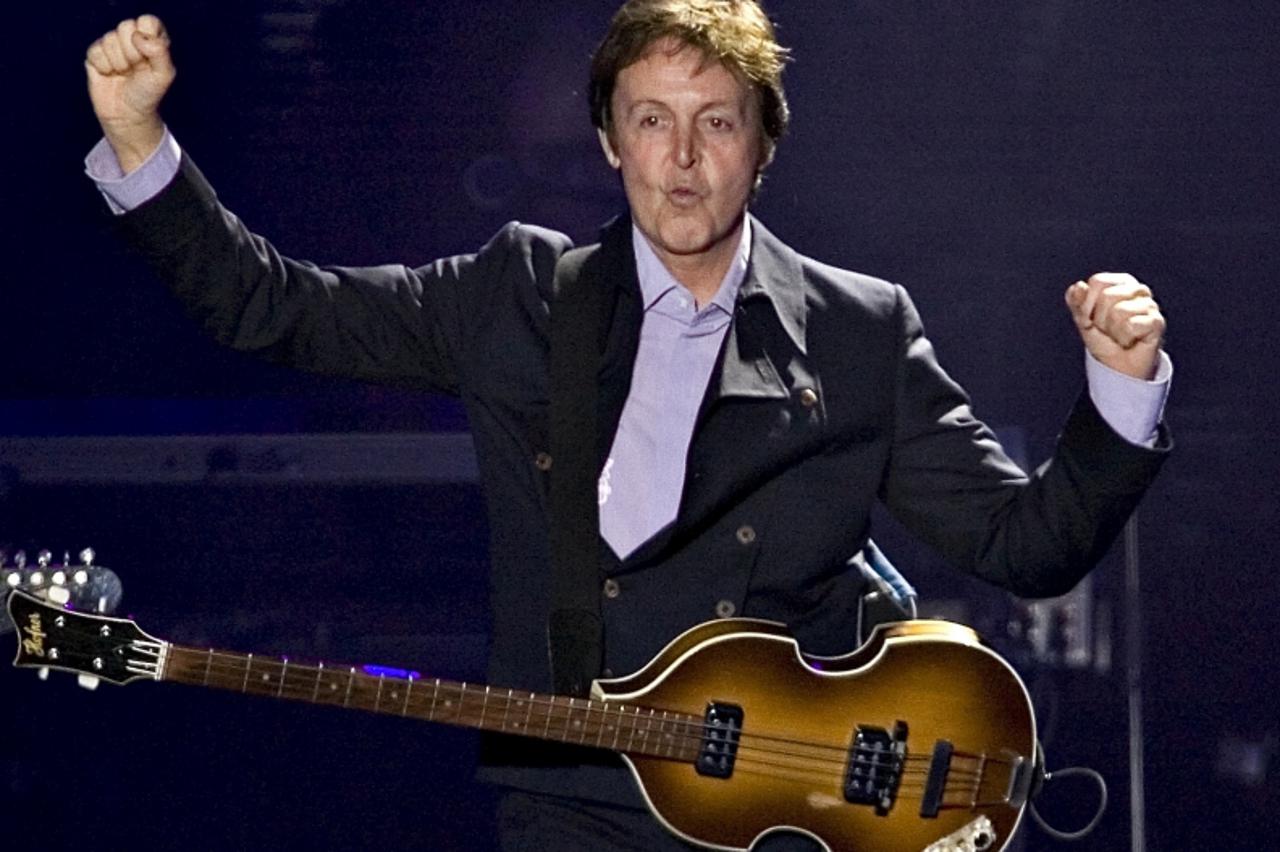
826,397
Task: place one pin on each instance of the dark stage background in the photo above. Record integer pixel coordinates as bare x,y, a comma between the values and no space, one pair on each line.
984,154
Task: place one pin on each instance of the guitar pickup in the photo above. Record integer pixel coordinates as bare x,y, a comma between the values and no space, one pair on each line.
875,766
721,731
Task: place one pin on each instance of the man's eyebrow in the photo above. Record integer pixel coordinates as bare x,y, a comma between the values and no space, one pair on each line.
725,103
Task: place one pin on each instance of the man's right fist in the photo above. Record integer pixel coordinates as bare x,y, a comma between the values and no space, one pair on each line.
129,72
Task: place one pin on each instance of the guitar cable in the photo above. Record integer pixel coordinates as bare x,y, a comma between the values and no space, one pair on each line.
1044,777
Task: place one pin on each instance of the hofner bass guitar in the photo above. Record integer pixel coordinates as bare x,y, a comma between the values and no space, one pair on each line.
922,739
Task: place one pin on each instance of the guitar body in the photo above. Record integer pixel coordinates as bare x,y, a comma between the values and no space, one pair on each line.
935,676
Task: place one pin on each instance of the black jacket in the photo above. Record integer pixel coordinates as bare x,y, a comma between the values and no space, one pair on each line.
827,397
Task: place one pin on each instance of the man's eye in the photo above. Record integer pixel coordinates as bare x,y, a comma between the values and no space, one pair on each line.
718,123
650,121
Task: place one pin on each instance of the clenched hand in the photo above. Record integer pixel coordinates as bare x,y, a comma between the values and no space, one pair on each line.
1119,321
129,71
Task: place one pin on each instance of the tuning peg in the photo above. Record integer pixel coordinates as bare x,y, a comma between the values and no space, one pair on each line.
20,559
88,681
87,556
13,579
44,559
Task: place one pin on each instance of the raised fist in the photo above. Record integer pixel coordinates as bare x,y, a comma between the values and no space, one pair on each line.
129,71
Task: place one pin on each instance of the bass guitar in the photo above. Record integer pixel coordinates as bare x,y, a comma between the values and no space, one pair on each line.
922,740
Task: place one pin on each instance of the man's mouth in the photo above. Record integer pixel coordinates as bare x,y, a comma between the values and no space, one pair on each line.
683,196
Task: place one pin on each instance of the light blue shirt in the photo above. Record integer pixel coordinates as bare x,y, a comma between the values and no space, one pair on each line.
643,478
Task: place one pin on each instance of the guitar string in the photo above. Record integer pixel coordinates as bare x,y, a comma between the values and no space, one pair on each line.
681,739
687,726
797,773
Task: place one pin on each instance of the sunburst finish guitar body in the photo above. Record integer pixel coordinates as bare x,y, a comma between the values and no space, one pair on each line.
922,739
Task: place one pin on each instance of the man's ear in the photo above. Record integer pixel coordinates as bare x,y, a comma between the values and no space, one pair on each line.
607,146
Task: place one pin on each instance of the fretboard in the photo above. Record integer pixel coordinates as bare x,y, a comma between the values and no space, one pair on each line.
580,721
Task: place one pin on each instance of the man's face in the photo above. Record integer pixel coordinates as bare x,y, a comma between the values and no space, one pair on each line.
686,136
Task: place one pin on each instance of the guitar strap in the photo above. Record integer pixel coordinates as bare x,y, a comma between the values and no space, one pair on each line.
575,630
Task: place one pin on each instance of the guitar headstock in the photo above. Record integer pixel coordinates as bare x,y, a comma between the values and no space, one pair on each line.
85,587
113,649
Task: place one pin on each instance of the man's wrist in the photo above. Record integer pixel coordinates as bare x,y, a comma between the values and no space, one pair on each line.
134,144
1132,407
127,191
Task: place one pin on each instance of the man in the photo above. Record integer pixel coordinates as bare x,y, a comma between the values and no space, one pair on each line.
752,403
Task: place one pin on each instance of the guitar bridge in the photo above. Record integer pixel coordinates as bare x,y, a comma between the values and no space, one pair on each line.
875,766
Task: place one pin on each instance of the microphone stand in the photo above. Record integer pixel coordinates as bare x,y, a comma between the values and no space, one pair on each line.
1133,654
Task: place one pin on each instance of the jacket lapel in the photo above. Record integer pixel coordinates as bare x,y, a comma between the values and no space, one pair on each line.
757,362
614,268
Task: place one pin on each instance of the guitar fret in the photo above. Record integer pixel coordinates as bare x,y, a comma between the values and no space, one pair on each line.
506,711
617,728
315,693
435,695
208,661
462,696
248,664
408,692
377,699
351,679
484,707
528,713
631,740
551,706
283,670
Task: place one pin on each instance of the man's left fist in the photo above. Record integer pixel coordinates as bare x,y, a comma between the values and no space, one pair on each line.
1119,322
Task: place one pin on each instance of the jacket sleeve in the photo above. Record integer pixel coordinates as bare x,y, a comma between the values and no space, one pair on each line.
951,483
385,323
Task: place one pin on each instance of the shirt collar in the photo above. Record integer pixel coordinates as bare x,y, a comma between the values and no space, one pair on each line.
656,280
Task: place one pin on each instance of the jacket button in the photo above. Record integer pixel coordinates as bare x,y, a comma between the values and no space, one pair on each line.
808,397
542,461
725,609
746,534
611,588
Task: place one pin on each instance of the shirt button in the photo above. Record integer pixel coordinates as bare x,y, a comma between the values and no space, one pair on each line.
542,461
746,534
725,609
808,397
612,589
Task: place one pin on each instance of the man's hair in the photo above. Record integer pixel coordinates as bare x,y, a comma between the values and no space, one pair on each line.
736,33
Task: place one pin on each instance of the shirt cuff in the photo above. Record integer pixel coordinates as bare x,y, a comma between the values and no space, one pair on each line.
1132,407
128,192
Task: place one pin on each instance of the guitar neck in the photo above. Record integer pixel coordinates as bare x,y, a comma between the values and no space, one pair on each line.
578,721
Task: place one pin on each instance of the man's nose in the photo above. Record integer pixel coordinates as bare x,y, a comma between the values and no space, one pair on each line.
687,146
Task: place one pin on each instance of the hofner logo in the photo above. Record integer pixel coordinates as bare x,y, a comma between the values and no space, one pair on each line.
34,643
